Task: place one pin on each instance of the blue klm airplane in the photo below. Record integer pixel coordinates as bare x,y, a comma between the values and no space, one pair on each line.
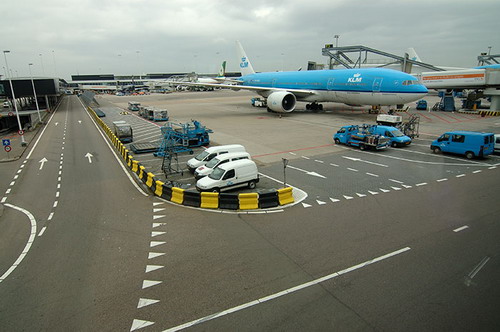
371,86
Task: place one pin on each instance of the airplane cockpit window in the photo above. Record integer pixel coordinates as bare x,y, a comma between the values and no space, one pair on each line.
411,82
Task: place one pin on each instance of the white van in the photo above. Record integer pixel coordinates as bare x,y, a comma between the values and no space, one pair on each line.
211,153
217,161
230,175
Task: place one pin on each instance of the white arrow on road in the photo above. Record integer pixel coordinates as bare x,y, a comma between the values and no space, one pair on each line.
364,161
42,162
89,155
307,172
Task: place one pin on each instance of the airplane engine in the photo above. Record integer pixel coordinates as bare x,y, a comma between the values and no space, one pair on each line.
281,102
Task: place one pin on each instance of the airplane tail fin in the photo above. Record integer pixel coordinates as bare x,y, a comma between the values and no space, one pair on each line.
222,70
245,65
412,54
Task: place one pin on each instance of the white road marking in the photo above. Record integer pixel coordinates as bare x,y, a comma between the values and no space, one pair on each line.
307,172
158,203
335,165
4,199
460,175
306,205
460,229
304,157
374,175
145,302
155,254
139,324
396,188
384,190
156,243
348,197
400,182
406,186
365,161
28,244
153,234
288,291
441,180
361,195
476,270
320,202
352,169
158,210
42,231
150,283
373,192
334,200
319,161
158,216
150,268
421,184
478,171
55,203
51,215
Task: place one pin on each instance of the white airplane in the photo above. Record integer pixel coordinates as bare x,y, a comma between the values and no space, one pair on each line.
373,86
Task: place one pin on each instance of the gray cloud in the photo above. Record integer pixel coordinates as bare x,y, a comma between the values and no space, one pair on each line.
133,36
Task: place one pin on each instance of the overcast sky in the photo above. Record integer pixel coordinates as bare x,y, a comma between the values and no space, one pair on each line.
67,37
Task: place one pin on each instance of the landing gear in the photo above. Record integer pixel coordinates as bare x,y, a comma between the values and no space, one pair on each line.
314,106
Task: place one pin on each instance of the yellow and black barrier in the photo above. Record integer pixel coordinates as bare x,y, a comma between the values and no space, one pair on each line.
489,113
248,201
285,196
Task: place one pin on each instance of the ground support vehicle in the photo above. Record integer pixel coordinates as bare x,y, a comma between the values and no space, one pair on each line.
468,143
395,136
389,120
259,102
230,175
123,131
133,106
360,136
181,137
160,115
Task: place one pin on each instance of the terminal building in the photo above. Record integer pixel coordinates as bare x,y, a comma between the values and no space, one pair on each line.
34,99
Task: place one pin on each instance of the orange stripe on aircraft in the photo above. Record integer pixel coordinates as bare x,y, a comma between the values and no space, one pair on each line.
452,77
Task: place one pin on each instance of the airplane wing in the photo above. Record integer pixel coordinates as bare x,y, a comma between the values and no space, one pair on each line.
237,87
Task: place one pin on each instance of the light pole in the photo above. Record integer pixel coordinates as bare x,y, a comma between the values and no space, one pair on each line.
23,142
34,93
41,62
336,40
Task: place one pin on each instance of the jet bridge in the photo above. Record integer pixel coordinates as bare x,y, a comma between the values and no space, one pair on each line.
357,57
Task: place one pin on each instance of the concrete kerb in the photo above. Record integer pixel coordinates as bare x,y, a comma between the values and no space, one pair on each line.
204,200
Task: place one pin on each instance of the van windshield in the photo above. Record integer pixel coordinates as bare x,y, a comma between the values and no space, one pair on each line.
212,163
397,133
216,174
201,156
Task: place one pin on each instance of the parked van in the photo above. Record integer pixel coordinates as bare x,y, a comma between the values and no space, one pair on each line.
230,175
469,143
395,136
211,153
217,161
497,143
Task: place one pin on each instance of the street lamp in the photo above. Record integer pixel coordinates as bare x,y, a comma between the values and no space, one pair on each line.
23,142
34,93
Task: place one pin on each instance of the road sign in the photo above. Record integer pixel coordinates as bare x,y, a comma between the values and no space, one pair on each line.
7,148
21,132
5,141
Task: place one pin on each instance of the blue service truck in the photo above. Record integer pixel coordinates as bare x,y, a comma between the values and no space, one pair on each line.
360,136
